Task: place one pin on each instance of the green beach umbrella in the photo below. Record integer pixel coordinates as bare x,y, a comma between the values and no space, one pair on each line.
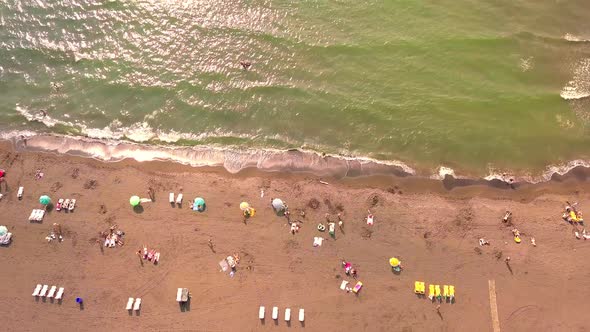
44,200
134,200
3,230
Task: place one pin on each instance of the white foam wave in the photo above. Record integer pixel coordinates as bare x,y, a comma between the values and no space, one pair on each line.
579,86
574,38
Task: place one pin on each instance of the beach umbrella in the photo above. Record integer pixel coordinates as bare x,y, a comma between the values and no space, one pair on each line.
44,200
278,204
244,206
3,230
394,262
199,204
134,200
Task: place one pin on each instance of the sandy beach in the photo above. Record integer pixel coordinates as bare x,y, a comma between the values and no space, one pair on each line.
432,226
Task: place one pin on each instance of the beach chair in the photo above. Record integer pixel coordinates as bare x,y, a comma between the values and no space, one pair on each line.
419,287
157,257
66,204
287,315
59,204
275,313
370,219
40,215
179,199
44,290
431,292
301,315
72,205
343,284
60,293
451,293
357,287
37,290
52,292
437,291
178,294
261,312
171,198
137,304
130,303
445,291
20,192
32,215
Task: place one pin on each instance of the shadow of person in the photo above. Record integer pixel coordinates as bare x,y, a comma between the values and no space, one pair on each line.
138,209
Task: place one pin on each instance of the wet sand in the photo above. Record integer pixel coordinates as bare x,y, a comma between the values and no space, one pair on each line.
433,227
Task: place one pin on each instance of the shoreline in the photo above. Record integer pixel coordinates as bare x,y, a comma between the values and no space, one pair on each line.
235,160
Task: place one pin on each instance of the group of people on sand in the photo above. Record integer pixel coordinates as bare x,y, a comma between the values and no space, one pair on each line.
574,217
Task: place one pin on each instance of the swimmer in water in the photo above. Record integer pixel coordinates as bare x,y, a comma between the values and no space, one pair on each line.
246,64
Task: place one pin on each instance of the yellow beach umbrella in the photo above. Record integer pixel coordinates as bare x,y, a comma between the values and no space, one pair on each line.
394,262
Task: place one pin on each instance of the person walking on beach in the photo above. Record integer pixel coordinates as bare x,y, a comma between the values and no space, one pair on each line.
245,64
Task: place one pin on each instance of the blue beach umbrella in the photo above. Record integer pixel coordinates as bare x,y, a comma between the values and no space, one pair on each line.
199,204
44,200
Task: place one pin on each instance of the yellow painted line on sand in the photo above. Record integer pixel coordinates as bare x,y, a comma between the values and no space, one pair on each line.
494,306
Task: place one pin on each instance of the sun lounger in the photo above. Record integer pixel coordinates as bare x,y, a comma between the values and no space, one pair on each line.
33,215
419,287
178,294
40,215
370,219
37,290
431,292
437,291
137,304
129,303
20,192
357,287
171,198
301,315
451,293
157,257
179,199
60,293
44,290
445,291
287,315
151,254
317,241
72,205
275,313
52,291
59,205
66,204
261,312
343,284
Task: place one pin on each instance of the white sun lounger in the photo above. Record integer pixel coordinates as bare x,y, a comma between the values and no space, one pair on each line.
275,313
52,291
72,205
171,198
343,284
287,314
60,293
20,192
179,295
137,304
179,199
261,312
33,215
301,315
44,290
130,303
37,290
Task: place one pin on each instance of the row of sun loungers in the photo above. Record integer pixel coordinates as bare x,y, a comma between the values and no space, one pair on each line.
275,313
133,304
45,291
67,205
37,215
178,199
434,291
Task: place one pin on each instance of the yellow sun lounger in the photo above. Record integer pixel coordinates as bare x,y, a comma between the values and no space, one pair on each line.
419,287
437,291
445,291
431,292
451,293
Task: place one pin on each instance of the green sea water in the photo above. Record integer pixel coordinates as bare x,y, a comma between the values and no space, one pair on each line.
462,83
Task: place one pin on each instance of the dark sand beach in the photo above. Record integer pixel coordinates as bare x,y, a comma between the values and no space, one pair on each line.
432,226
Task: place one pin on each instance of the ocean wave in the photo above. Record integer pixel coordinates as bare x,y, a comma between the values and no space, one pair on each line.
235,159
232,159
573,38
579,86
